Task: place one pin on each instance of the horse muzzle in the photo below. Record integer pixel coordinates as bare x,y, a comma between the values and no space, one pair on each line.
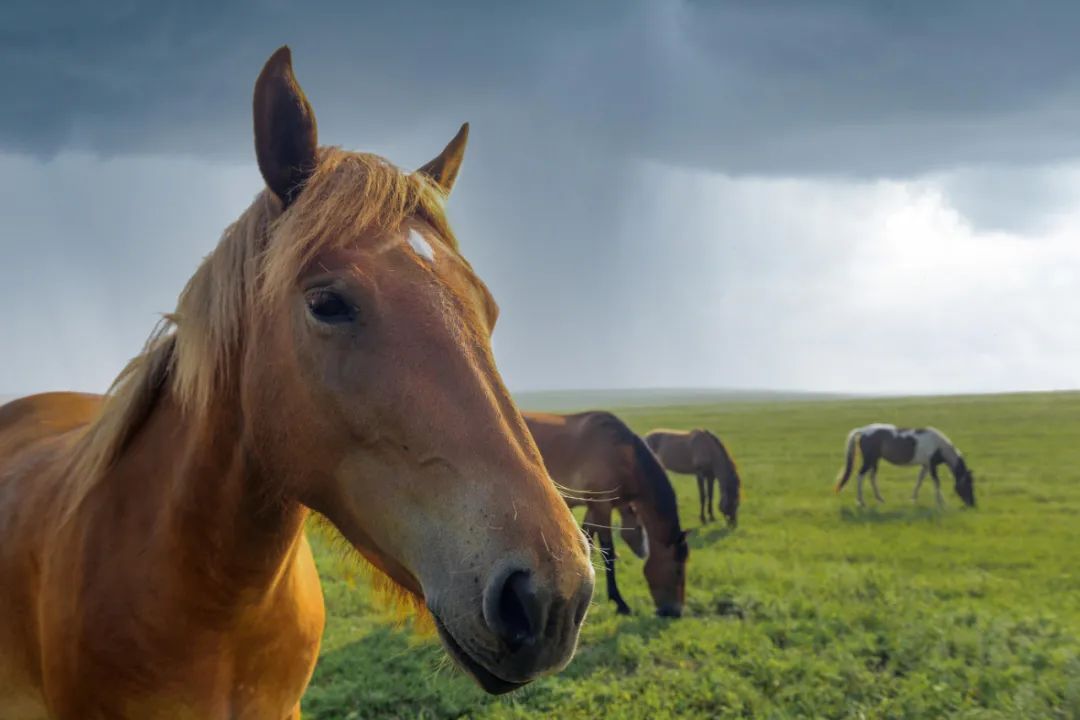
528,630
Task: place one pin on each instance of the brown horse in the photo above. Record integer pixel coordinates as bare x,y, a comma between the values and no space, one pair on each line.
700,453
332,354
599,462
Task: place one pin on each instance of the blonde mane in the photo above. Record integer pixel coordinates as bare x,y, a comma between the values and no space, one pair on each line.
195,351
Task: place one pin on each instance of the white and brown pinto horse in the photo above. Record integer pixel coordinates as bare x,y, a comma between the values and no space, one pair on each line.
926,447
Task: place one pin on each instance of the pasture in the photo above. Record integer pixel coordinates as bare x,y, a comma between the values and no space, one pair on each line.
812,608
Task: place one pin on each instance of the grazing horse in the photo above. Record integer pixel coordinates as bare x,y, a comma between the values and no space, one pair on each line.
700,453
597,461
926,447
332,354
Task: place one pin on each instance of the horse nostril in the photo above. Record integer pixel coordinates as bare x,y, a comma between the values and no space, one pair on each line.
515,610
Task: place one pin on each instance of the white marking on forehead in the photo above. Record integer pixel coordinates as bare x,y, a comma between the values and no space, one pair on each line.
422,247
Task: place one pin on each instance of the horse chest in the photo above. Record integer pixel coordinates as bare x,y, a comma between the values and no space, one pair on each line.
19,700
253,676
167,662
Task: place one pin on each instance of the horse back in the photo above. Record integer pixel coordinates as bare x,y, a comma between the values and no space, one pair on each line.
686,452
584,451
35,433
35,417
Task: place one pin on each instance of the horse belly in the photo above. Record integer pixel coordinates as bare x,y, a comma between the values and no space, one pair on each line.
678,456
900,450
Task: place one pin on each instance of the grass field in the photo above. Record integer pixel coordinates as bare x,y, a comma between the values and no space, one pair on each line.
812,608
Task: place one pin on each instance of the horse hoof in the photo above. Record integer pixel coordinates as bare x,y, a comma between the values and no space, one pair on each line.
623,610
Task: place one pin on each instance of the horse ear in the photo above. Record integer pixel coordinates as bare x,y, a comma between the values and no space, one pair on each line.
444,169
286,136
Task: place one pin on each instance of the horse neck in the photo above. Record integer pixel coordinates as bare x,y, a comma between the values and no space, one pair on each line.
190,493
721,460
658,525
949,452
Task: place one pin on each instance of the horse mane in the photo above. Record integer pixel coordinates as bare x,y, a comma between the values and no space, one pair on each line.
194,352
732,467
657,483
402,606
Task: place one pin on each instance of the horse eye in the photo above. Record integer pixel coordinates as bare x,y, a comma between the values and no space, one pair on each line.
328,307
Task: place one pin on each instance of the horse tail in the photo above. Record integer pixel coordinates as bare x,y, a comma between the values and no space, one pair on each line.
849,460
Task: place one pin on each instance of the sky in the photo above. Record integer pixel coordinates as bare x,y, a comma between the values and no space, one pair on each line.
825,196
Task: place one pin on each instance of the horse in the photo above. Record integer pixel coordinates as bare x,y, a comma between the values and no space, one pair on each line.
926,447
700,453
597,461
332,356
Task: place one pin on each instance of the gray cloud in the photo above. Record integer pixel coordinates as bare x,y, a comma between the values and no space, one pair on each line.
1019,199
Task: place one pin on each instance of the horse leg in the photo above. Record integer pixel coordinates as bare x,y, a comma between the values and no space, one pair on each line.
937,485
858,488
711,480
867,465
295,714
918,484
873,483
606,548
701,495
600,520
632,532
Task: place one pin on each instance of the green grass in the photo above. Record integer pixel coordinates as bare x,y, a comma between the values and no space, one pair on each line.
812,608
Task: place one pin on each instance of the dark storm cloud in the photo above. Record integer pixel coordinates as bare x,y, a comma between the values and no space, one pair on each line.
788,88
177,76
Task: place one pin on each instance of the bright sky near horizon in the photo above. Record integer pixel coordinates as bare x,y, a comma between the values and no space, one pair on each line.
822,196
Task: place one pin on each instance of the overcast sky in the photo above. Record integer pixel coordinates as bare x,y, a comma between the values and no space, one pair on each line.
829,196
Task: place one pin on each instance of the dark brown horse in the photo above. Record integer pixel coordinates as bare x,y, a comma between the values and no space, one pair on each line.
700,453
332,354
600,463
